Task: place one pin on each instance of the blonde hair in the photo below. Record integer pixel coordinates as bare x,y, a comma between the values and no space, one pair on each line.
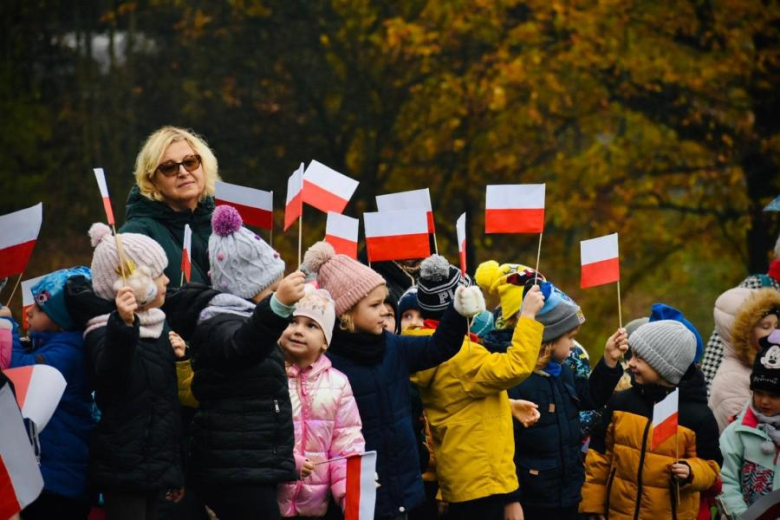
347,321
154,148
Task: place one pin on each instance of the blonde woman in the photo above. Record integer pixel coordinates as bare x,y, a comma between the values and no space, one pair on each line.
175,174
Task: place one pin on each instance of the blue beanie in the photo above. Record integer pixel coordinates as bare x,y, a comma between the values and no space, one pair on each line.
559,315
661,311
483,323
408,301
49,294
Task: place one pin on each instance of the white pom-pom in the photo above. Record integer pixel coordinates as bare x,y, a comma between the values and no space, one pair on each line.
97,231
469,301
435,268
317,255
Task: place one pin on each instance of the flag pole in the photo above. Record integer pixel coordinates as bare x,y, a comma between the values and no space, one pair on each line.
121,250
271,231
435,243
16,286
676,459
538,256
620,310
300,237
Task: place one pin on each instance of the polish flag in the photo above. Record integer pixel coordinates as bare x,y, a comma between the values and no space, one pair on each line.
293,207
101,180
360,499
460,226
39,389
600,261
665,418
514,208
326,189
256,207
27,297
397,235
341,232
20,477
17,239
415,199
186,253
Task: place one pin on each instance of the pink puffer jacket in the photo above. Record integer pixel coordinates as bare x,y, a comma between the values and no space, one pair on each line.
327,425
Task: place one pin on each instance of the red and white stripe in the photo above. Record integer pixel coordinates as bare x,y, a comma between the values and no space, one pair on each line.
665,418
18,234
460,226
600,261
256,207
397,235
415,199
326,189
186,253
293,207
514,208
360,499
20,477
39,389
27,297
101,181
341,232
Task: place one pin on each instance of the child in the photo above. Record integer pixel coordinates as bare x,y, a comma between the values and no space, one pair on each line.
409,315
65,441
548,455
134,455
389,315
467,405
242,433
625,476
751,444
325,415
378,365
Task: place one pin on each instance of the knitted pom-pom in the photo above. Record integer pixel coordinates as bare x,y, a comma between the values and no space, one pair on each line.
317,255
435,268
225,220
97,231
487,275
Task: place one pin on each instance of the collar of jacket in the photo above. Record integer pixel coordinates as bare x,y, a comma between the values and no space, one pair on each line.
319,366
361,347
139,206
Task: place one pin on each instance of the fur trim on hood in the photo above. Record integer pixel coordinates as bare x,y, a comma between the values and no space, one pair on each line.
747,318
727,307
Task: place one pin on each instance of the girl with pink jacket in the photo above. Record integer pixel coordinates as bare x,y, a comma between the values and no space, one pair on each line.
325,414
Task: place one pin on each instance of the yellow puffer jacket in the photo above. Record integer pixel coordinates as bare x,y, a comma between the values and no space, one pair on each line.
466,404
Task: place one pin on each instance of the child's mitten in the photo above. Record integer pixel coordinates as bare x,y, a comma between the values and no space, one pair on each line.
469,301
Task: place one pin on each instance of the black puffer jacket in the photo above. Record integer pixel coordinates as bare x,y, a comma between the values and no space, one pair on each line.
243,431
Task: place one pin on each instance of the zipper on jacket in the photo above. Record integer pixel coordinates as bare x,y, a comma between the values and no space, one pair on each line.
641,464
609,490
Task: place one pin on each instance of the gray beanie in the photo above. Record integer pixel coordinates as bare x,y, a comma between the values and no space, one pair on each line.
633,325
242,263
559,315
667,346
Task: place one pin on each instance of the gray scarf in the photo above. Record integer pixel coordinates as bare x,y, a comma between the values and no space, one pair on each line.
770,426
225,303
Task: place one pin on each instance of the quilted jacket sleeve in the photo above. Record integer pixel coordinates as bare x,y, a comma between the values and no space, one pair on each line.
732,448
347,440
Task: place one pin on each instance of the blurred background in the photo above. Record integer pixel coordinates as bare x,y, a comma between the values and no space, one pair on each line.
656,120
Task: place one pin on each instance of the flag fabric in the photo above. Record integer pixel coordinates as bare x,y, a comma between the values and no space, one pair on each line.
20,477
101,180
600,261
415,199
765,508
326,189
186,253
514,208
39,389
27,297
665,418
341,232
18,234
360,499
293,207
256,207
460,227
774,205
397,235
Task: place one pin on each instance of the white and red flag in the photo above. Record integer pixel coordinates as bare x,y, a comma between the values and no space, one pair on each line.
326,189
186,253
415,199
341,232
100,176
514,208
665,418
18,234
20,477
460,226
360,498
256,207
600,261
27,297
293,207
397,235
39,389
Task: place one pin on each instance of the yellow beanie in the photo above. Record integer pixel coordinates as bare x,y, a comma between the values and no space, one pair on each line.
492,278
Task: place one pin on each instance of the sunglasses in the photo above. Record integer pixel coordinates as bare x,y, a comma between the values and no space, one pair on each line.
171,168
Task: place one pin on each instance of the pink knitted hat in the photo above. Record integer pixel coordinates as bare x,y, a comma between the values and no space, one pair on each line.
347,280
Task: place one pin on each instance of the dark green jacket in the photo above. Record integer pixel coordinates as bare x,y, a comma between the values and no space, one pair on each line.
158,221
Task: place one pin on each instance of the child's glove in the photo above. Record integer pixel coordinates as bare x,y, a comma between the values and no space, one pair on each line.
469,301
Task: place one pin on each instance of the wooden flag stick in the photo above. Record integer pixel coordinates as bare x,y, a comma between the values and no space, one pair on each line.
181,282
121,250
330,460
300,237
16,286
271,235
435,243
676,459
538,256
620,310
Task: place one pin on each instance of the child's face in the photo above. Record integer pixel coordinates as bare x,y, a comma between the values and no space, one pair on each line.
767,403
368,314
303,340
411,319
562,346
162,284
644,374
764,328
389,317
39,321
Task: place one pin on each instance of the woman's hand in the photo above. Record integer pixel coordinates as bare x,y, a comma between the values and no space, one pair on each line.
291,288
126,305
616,347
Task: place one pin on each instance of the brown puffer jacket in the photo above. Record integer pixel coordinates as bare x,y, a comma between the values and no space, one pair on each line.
626,479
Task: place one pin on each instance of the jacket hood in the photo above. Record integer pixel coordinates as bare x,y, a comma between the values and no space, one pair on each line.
321,365
759,302
72,339
726,308
139,206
